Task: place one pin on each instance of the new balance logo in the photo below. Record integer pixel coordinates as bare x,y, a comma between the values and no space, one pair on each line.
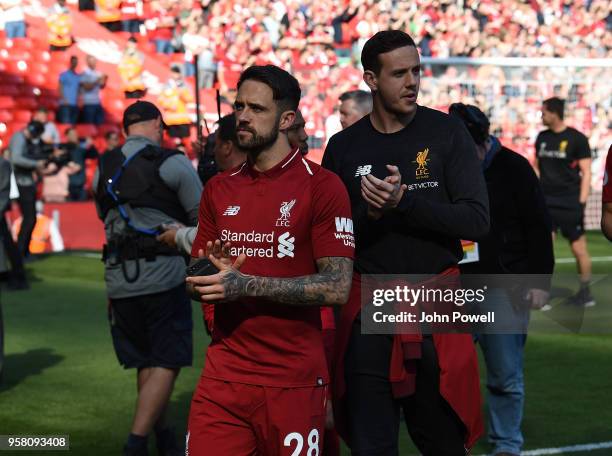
363,170
285,245
344,225
232,210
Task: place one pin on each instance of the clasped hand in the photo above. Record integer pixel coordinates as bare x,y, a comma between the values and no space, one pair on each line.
225,284
382,195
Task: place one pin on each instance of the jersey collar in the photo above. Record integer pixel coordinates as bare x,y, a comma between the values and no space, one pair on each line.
290,159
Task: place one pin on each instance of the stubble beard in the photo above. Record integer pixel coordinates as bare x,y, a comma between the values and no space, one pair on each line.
257,143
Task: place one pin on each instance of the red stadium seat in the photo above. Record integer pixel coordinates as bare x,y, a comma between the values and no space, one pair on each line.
105,128
18,67
19,54
16,126
11,90
7,102
11,79
22,115
21,43
39,67
49,103
38,79
85,130
26,103
5,116
42,56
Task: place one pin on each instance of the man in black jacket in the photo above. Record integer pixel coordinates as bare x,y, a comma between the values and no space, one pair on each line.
519,242
16,278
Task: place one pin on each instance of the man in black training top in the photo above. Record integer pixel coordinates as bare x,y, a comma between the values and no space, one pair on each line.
563,157
416,189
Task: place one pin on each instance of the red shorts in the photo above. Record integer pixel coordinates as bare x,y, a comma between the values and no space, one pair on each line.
243,420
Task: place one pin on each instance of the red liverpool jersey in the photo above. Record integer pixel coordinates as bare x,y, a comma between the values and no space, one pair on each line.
607,185
283,219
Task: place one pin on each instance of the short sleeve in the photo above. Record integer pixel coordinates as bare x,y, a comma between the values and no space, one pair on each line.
583,150
607,185
207,230
332,224
537,145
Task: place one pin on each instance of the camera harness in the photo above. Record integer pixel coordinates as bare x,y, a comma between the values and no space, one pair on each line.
141,243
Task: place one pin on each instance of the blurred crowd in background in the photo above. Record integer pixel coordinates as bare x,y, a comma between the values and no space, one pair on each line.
320,41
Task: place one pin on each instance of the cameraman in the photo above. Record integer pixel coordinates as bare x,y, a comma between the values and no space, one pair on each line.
139,187
221,153
27,162
78,152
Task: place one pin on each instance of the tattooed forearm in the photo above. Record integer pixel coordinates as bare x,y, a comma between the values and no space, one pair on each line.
330,286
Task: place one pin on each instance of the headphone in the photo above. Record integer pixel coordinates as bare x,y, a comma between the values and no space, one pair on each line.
474,119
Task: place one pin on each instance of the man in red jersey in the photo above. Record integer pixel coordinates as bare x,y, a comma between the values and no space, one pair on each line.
286,224
606,206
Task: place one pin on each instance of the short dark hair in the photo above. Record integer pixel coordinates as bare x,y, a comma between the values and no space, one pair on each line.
362,99
227,128
555,105
286,90
476,122
68,130
381,43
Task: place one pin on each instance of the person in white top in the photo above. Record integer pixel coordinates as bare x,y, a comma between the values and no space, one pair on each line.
50,135
92,81
11,13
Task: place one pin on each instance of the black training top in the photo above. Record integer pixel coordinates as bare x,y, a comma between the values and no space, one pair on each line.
558,155
446,199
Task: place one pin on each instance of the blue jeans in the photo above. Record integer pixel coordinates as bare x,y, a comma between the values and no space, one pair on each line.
15,29
503,354
163,47
189,69
93,114
68,114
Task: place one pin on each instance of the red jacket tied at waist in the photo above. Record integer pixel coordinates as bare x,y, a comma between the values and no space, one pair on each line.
459,380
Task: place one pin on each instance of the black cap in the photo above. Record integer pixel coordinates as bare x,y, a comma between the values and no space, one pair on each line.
35,129
139,112
474,119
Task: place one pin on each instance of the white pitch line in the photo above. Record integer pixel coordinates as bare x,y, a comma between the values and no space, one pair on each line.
88,255
602,259
567,449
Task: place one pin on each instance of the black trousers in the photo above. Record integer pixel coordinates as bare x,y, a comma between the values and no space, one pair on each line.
27,205
17,271
374,414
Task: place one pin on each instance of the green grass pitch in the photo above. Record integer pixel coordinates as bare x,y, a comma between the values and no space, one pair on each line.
61,375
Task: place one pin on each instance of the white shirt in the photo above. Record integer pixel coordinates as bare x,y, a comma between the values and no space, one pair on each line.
13,11
90,97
